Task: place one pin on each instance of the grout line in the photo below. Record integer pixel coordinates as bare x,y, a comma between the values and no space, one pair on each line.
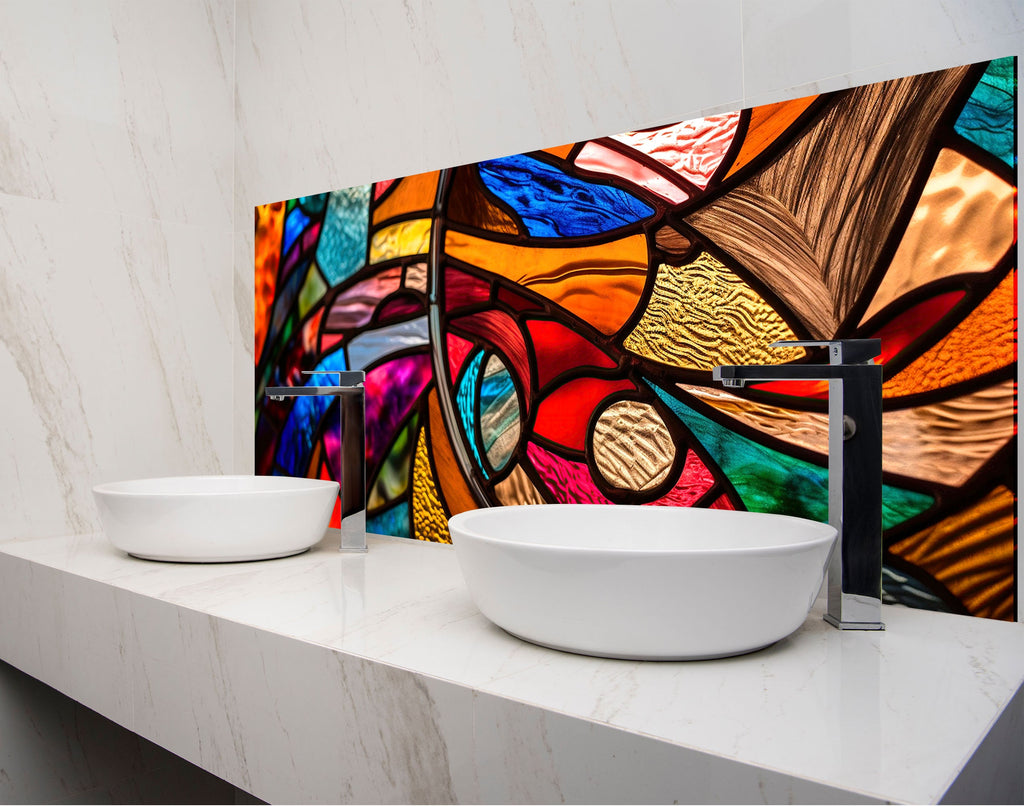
234,227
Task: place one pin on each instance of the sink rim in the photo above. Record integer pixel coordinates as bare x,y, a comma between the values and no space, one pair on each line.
280,485
828,533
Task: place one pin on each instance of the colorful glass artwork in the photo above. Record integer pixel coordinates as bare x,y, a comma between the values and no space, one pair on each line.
541,327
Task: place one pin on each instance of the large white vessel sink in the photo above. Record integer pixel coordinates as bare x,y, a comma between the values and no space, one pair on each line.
209,519
641,582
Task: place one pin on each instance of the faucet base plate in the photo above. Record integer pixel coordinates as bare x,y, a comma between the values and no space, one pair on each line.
853,625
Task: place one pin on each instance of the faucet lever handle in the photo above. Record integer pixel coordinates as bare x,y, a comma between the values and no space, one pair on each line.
323,372
344,378
842,351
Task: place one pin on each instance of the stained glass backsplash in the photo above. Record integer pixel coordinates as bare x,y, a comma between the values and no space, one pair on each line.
542,327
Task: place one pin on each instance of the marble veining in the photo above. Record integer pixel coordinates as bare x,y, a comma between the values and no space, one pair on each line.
414,695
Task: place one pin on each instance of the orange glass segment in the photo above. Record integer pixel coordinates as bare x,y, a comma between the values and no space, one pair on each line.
412,194
517,489
599,284
560,151
269,230
766,124
983,342
963,223
470,206
971,553
454,490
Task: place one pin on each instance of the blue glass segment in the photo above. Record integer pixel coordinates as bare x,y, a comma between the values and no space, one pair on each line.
988,117
294,224
553,204
392,521
296,443
342,248
465,400
771,481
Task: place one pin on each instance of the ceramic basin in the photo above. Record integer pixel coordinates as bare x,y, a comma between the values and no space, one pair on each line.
209,519
645,583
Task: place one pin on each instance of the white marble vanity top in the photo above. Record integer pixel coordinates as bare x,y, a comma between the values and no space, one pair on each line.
242,666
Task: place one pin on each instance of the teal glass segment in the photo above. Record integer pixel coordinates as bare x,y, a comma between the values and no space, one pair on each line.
342,248
499,412
987,119
465,401
768,480
393,521
314,205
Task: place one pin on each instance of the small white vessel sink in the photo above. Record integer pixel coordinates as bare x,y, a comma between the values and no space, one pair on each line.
211,519
644,583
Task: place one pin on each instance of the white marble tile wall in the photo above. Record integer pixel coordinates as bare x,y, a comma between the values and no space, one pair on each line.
116,310
116,317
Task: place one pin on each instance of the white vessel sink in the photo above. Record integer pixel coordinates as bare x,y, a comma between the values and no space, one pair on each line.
210,519
645,583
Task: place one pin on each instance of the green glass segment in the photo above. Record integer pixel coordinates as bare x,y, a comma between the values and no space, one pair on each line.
768,480
392,479
312,290
988,116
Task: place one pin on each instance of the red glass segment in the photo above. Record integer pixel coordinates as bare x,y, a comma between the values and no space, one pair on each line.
559,348
563,416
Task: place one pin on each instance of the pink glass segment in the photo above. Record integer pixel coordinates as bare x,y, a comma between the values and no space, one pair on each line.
569,482
694,148
603,160
354,307
694,481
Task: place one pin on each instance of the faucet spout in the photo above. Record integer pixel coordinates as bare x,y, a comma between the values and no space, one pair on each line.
854,469
351,392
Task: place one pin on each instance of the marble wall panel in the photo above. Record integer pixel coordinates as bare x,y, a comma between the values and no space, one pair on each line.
115,243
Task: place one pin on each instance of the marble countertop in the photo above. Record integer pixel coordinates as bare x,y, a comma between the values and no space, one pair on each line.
331,677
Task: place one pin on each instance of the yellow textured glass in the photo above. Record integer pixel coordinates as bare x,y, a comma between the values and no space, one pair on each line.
428,519
400,240
632,448
702,314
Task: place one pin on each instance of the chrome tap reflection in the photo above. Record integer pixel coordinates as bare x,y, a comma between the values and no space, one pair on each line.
353,451
854,469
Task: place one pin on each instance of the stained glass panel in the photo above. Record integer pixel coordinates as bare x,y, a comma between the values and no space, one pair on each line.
542,327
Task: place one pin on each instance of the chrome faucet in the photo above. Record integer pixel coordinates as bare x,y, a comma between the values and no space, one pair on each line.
854,469
353,449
